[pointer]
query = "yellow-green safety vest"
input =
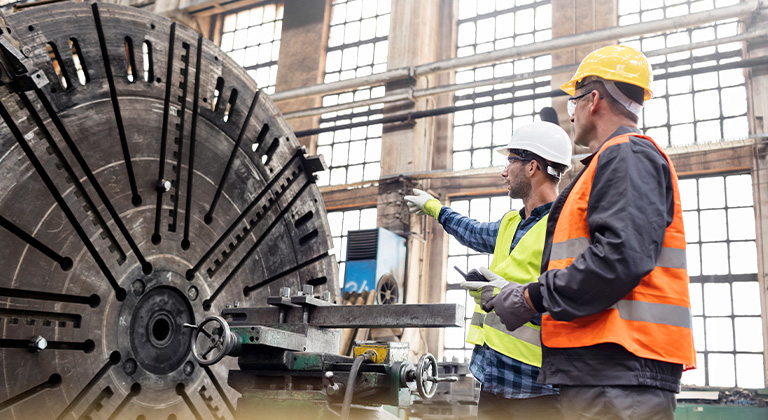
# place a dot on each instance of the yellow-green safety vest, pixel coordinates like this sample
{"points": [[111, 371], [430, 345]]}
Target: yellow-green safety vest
{"points": [[522, 265]]}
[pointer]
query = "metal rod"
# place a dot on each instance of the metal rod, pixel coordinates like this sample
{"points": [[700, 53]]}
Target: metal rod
{"points": [[414, 115], [556, 44], [587, 38], [414, 94]]}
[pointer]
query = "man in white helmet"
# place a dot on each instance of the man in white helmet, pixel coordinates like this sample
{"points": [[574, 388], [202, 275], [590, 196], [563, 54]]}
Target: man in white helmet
{"points": [[507, 362]]}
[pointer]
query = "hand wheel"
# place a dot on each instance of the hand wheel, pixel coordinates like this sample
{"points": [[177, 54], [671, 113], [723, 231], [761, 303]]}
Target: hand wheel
{"points": [[212, 340], [426, 376]]}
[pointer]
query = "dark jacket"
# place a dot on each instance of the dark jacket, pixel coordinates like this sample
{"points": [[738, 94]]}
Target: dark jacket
{"points": [[631, 204]]}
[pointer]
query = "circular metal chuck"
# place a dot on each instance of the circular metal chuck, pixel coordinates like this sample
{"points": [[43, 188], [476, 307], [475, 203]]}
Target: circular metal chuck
{"points": [[145, 183]]}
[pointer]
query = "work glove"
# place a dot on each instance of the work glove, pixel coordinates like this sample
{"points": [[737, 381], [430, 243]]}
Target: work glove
{"points": [[485, 288], [511, 307], [423, 203]]}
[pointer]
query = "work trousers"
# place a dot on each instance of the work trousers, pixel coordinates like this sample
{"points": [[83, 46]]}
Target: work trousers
{"points": [[617, 403], [494, 407]]}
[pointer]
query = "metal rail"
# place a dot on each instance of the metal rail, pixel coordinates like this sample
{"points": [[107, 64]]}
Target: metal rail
{"points": [[556, 44]]}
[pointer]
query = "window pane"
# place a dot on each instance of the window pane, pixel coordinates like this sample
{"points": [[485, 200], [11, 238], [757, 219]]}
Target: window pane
{"points": [[739, 190], [714, 258], [693, 259], [721, 370], [713, 226], [743, 257], [715, 192], [717, 299], [719, 334], [749, 371], [746, 298], [691, 226], [694, 291], [698, 334], [688, 194], [749, 334], [741, 223]]}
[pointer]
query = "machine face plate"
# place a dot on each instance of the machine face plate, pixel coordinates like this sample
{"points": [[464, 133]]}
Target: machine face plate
{"points": [[148, 184]]}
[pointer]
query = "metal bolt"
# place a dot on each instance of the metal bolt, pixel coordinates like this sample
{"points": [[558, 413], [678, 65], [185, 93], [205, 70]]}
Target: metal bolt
{"points": [[164, 185], [309, 289], [189, 367], [237, 304], [285, 292], [26, 51], [226, 306], [38, 343], [129, 367], [138, 287], [192, 293], [326, 296]]}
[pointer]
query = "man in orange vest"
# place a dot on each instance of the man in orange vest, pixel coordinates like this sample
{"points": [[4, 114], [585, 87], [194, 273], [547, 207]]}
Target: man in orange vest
{"points": [[616, 332]]}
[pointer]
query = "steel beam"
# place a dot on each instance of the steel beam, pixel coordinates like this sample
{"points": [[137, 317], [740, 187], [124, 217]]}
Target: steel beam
{"points": [[433, 315]]}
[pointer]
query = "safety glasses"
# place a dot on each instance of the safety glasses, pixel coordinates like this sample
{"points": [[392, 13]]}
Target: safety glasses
{"points": [[572, 102], [511, 159], [575, 99]]}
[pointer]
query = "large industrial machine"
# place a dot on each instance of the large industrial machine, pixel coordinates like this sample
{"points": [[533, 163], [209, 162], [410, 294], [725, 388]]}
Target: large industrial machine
{"points": [[147, 187]]}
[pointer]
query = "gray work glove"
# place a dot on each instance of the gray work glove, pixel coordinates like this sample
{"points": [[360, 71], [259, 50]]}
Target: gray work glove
{"points": [[511, 307]]}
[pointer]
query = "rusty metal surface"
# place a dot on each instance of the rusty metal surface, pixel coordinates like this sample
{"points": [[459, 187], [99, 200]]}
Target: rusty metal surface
{"points": [[142, 192]]}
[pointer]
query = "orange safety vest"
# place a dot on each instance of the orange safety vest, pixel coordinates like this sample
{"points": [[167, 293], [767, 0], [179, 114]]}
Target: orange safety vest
{"points": [[654, 320]]}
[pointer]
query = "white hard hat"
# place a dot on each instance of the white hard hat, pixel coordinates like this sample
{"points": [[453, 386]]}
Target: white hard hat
{"points": [[543, 138]]}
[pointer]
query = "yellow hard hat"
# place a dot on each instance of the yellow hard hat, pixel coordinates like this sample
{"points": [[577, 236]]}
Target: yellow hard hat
{"points": [[618, 63]]}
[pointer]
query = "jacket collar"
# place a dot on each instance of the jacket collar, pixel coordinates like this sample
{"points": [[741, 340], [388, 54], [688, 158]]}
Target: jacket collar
{"points": [[619, 131]]}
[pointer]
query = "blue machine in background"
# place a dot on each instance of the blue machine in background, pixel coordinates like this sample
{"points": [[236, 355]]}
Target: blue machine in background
{"points": [[375, 262]]}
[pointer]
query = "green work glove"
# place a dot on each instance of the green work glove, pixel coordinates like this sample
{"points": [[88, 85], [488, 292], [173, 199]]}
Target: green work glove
{"points": [[423, 203], [485, 291]]}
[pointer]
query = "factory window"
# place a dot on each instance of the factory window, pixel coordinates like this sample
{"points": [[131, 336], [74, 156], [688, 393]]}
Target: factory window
{"points": [[252, 38], [357, 47], [707, 99], [725, 294], [341, 222], [485, 26], [485, 209]]}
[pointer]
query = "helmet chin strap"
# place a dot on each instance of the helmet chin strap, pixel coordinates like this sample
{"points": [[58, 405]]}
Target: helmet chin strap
{"points": [[631, 105]]}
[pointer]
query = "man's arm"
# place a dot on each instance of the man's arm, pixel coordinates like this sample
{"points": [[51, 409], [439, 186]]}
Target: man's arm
{"points": [[630, 206], [479, 236]]}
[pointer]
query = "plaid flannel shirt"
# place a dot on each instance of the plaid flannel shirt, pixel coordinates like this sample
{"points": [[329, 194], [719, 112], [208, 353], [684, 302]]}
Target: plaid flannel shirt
{"points": [[499, 374]]}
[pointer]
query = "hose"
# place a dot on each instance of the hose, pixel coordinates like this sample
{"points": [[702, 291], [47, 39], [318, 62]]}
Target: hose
{"points": [[347, 405]]}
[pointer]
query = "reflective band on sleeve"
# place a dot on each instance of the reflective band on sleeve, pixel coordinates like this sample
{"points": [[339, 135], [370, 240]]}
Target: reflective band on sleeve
{"points": [[657, 313], [568, 249], [477, 319], [668, 257], [672, 258], [524, 333]]}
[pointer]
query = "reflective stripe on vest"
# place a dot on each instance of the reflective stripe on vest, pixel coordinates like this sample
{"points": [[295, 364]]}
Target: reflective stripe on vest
{"points": [[526, 333], [668, 257], [523, 266], [652, 321], [657, 313]]}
